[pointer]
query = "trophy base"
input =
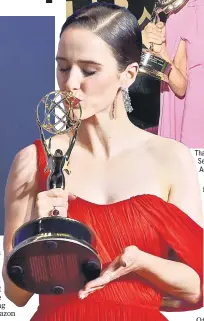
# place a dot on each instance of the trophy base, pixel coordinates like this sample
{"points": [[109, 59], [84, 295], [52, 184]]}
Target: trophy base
{"points": [[53, 265], [53, 255], [154, 66]]}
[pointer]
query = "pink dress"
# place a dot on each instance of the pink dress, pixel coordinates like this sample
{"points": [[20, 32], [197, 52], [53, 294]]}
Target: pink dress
{"points": [[183, 119]]}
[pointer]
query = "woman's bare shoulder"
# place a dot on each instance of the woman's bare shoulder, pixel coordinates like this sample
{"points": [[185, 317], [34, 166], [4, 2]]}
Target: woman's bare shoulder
{"points": [[169, 149], [24, 166], [180, 170]]}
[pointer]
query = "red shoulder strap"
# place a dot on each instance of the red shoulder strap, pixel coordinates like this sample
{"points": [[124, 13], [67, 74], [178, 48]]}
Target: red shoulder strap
{"points": [[42, 162]]}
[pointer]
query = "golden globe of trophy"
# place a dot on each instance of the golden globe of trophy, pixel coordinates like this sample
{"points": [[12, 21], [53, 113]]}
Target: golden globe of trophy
{"points": [[152, 64], [54, 255]]}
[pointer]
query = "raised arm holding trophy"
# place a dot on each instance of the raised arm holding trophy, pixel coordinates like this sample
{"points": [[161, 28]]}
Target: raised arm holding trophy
{"points": [[152, 63]]}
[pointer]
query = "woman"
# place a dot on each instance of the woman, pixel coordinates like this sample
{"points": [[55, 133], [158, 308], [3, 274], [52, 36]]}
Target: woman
{"points": [[136, 225], [182, 111]]}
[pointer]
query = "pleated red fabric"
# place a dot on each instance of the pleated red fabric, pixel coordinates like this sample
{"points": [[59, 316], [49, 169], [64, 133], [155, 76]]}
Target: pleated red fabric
{"points": [[145, 221]]}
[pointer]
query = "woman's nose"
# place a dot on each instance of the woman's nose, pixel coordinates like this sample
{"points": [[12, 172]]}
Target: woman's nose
{"points": [[73, 81]]}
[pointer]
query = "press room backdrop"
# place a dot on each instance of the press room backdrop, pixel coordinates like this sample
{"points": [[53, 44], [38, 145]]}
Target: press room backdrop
{"points": [[27, 73], [142, 8]]}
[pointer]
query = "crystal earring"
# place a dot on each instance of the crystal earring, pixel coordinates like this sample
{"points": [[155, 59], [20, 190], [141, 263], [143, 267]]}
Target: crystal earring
{"points": [[127, 101], [114, 110]]}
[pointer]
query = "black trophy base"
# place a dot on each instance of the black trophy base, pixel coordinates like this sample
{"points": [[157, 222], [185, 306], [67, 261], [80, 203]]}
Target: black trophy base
{"points": [[53, 256], [53, 266]]}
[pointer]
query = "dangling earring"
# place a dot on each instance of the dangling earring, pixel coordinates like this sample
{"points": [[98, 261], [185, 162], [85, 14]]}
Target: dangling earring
{"points": [[127, 101], [114, 110]]}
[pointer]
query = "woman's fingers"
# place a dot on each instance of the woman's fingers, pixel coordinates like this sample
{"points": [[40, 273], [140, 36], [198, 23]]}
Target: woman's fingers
{"points": [[156, 40], [151, 27], [96, 284], [84, 293], [112, 272], [53, 202], [157, 30], [123, 264], [154, 34], [160, 25]]}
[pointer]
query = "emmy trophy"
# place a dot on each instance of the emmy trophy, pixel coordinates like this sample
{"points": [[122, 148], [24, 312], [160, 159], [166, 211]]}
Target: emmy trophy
{"points": [[55, 255], [152, 64]]}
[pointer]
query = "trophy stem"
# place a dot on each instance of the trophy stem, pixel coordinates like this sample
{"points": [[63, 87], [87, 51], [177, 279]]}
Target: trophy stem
{"points": [[56, 162], [155, 17], [56, 178]]}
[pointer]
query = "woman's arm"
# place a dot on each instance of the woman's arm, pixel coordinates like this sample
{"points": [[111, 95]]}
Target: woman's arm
{"points": [[177, 75], [185, 191], [19, 204], [174, 278]]}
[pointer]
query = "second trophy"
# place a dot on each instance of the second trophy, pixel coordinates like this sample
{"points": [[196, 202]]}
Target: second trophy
{"points": [[152, 64]]}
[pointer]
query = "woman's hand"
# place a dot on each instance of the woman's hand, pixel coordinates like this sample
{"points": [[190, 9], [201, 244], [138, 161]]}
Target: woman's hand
{"points": [[53, 202], [154, 33], [128, 261]]}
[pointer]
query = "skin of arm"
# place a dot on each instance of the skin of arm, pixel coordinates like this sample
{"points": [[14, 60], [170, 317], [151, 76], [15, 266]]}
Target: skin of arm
{"points": [[174, 278], [20, 197], [177, 76]]}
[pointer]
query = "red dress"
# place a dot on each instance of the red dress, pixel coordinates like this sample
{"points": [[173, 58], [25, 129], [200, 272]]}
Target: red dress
{"points": [[145, 221]]}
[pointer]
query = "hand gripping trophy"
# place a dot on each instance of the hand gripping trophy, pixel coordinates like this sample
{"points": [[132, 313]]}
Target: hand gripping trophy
{"points": [[151, 63], [54, 255]]}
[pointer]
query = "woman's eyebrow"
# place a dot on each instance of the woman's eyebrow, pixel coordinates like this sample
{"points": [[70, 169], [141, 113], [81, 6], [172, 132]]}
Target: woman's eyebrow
{"points": [[60, 58], [80, 61], [90, 62]]}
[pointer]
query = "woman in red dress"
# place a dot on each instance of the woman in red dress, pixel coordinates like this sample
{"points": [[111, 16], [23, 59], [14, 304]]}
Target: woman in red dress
{"points": [[138, 192]]}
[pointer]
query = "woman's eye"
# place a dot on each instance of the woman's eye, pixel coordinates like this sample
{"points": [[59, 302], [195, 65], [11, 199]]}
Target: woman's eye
{"points": [[88, 72], [64, 69], [85, 72]]}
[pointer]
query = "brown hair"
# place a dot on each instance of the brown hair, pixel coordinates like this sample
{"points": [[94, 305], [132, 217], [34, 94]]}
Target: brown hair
{"points": [[116, 25]]}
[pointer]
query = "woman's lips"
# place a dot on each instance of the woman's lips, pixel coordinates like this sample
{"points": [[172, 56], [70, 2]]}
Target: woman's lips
{"points": [[73, 102]]}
